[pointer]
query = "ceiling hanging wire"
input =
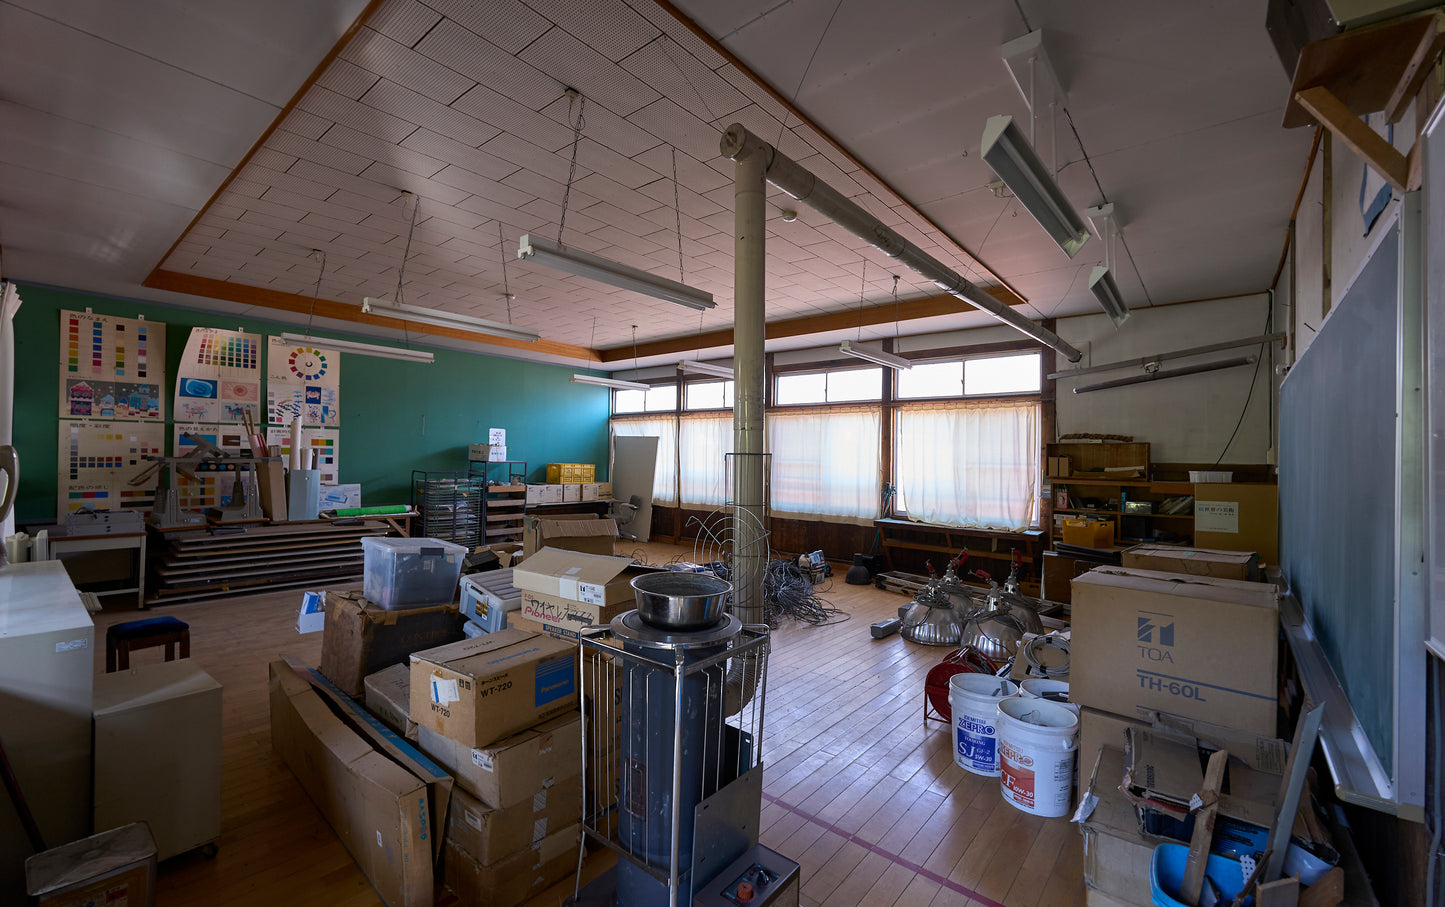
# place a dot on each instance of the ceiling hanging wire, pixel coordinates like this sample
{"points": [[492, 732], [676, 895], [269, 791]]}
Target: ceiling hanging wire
{"points": [[506, 285], [577, 126], [316, 293]]}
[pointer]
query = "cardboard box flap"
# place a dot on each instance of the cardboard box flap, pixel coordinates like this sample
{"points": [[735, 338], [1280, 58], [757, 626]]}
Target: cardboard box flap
{"points": [[1113, 814], [466, 648], [1164, 770], [592, 525], [1209, 588], [591, 578], [1193, 554]]}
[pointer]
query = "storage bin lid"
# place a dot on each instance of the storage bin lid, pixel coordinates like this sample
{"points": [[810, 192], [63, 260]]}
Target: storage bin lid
{"points": [[388, 545]]}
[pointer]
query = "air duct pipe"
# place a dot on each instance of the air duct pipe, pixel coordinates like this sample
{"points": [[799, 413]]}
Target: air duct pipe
{"points": [[738, 144]]}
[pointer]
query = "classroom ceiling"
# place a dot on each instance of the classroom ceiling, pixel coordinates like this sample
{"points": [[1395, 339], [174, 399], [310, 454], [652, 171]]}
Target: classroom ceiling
{"points": [[122, 122]]}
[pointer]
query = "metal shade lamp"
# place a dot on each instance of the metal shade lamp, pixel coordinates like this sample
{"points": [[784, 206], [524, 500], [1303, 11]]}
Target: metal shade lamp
{"points": [[1012, 157], [1101, 279]]}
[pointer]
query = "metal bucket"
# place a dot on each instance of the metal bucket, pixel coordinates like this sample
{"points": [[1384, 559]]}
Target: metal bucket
{"points": [[680, 601]]}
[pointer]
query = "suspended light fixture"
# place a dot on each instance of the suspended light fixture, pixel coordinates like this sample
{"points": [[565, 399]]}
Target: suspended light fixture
{"points": [[439, 318], [873, 354], [602, 270], [1158, 374], [1009, 154], [1101, 279], [691, 367], [617, 383], [364, 349]]}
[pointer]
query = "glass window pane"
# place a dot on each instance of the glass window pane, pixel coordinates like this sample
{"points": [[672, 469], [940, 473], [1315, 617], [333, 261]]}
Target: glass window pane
{"points": [[1001, 374], [811, 387], [931, 379], [629, 401], [662, 397], [855, 384], [708, 394]]}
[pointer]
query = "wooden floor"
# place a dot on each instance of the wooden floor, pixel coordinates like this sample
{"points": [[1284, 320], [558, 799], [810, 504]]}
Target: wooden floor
{"points": [[858, 789]]}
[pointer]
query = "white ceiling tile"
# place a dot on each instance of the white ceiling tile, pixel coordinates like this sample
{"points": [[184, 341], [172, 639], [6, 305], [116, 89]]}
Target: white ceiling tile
{"points": [[611, 27], [428, 189], [355, 115], [423, 111], [512, 220], [482, 61], [350, 183], [379, 150], [603, 126], [398, 63], [614, 166], [517, 119], [689, 202], [306, 125], [347, 79], [665, 66], [462, 155], [405, 21], [506, 23], [525, 155], [633, 201], [569, 61], [681, 128]]}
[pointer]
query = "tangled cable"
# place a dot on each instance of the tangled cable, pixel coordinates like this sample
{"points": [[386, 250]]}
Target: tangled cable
{"points": [[1051, 641], [788, 593]]}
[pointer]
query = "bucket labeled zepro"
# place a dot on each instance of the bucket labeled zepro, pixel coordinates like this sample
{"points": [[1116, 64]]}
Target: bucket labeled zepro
{"points": [[1037, 740], [974, 699]]}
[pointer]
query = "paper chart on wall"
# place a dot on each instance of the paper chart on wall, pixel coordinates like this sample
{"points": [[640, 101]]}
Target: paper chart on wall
{"points": [[219, 379], [325, 441], [302, 382], [111, 367], [215, 479], [98, 460]]}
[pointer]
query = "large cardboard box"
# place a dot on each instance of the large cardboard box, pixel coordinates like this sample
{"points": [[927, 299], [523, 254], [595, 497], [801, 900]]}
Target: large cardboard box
{"points": [[383, 798], [1240, 565], [1116, 853], [583, 532], [490, 834], [361, 638], [114, 867], [388, 697], [518, 877], [1099, 729], [1238, 516], [510, 771], [478, 691], [1199, 647], [569, 590]]}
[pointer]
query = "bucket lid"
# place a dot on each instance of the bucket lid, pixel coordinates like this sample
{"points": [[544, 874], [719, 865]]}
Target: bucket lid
{"points": [[985, 685], [1038, 712]]}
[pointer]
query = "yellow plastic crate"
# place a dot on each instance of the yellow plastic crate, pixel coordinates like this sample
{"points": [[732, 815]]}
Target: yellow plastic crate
{"points": [[571, 473]]}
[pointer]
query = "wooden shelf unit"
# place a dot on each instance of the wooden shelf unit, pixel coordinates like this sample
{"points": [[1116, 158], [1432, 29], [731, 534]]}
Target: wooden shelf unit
{"points": [[504, 504], [1087, 482]]}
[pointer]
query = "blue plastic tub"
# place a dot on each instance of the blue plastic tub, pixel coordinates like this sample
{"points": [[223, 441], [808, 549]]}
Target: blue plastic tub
{"points": [[1166, 874]]}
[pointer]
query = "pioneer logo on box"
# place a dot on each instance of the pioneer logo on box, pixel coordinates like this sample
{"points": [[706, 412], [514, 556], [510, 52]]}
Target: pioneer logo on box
{"points": [[1156, 636]]}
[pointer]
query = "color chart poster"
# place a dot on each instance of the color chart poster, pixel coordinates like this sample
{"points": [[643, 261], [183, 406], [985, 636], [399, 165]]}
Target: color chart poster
{"points": [[215, 479], [325, 441], [302, 382], [220, 377], [111, 368], [99, 459]]}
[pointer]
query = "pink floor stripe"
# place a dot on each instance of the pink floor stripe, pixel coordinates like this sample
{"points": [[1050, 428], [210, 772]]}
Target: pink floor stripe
{"points": [[887, 855]]}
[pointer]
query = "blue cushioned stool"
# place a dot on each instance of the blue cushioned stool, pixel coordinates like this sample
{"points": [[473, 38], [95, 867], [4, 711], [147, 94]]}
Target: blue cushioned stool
{"points": [[122, 639]]}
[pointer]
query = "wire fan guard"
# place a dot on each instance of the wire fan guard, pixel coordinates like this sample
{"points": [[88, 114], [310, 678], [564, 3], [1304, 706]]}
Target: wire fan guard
{"points": [[716, 541]]}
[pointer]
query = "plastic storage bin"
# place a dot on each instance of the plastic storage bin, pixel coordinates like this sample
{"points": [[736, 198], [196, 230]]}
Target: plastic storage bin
{"points": [[571, 473], [411, 573], [1089, 533]]}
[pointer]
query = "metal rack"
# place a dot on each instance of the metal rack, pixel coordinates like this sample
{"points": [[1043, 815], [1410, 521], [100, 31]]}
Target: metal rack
{"points": [[672, 751], [451, 505]]}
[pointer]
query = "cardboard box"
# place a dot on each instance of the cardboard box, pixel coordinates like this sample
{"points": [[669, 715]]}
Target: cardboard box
{"points": [[1058, 467], [271, 483], [1240, 565], [336, 497], [362, 638], [479, 453], [388, 697], [563, 617], [490, 835], [508, 772], [1238, 517], [1199, 647], [579, 576], [590, 492], [1116, 853], [535, 494], [583, 532], [1160, 764], [312, 616], [571, 494], [604, 491], [481, 690], [117, 866], [551, 494], [1099, 729], [516, 878], [384, 799], [1088, 533], [498, 454]]}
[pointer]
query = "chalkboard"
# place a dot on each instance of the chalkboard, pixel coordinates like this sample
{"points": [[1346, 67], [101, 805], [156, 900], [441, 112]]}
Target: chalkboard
{"points": [[1337, 470]]}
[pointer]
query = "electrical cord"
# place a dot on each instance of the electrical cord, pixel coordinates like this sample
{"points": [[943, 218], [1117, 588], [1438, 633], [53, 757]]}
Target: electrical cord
{"points": [[1258, 360], [1050, 641]]}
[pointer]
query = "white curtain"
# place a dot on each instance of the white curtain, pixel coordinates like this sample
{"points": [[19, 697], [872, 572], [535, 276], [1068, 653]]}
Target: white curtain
{"points": [[664, 484], [826, 464], [970, 465], [704, 441]]}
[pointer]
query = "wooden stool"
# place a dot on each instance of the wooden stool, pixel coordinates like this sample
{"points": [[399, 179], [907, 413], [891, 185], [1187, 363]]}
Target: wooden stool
{"points": [[122, 639]]}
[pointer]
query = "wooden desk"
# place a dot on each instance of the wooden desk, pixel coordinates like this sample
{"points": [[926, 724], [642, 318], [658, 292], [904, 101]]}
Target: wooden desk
{"points": [[59, 542]]}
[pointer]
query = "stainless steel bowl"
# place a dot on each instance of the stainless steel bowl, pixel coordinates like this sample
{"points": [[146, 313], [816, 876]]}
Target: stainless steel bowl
{"points": [[680, 601]]}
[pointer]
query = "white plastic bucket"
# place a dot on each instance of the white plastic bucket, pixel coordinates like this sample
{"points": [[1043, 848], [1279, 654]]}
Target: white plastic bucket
{"points": [[1055, 691], [974, 700], [1036, 744]]}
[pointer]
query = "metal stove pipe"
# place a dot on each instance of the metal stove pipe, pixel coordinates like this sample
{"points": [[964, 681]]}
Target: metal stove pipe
{"points": [[740, 145]]}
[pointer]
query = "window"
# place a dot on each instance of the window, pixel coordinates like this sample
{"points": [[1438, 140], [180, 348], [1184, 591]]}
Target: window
{"points": [[826, 463], [664, 485], [658, 399], [837, 386], [704, 441], [708, 395], [979, 376], [969, 464]]}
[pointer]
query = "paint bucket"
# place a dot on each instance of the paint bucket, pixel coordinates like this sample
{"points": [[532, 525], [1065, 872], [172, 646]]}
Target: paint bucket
{"points": [[1036, 744], [1047, 688], [974, 699]]}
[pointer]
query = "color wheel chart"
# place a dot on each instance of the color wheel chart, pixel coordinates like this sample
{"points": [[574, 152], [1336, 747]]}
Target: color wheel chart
{"points": [[111, 368], [220, 377], [302, 382], [98, 460]]}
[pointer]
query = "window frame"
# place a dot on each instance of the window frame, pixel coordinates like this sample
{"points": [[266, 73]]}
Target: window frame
{"points": [[825, 368]]}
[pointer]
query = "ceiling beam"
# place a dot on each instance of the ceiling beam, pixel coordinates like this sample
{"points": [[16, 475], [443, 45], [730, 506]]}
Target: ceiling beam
{"points": [[177, 282], [928, 307]]}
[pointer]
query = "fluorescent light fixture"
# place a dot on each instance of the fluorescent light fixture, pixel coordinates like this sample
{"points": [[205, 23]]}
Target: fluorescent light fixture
{"points": [[1009, 154], [439, 318], [873, 354], [1167, 373], [364, 349], [594, 267], [1102, 285], [617, 383], [691, 367]]}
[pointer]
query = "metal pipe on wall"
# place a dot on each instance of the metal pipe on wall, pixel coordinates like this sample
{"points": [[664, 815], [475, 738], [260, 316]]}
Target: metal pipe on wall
{"points": [[739, 145]]}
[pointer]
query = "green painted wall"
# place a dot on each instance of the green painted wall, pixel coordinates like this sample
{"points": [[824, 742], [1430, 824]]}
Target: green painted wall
{"points": [[395, 416]]}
